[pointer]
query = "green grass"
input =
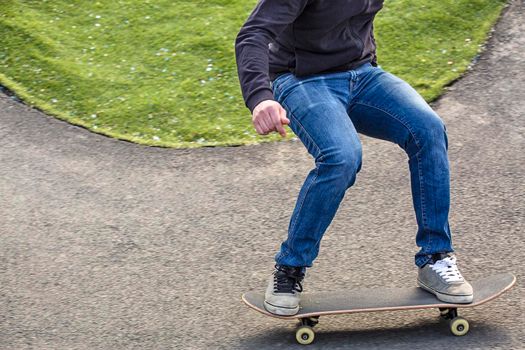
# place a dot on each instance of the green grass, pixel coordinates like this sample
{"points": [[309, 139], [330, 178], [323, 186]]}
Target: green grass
{"points": [[163, 72]]}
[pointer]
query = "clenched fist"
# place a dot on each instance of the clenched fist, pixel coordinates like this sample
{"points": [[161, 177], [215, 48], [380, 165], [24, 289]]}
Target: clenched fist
{"points": [[269, 116]]}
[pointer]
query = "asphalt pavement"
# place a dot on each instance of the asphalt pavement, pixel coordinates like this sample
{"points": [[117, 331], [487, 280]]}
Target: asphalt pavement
{"points": [[105, 244]]}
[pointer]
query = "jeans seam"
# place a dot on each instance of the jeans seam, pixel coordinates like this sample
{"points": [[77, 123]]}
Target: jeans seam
{"points": [[423, 204], [420, 173], [292, 227], [396, 117], [318, 149], [321, 156]]}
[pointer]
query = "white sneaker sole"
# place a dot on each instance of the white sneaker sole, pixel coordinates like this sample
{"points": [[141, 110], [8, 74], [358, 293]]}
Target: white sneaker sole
{"points": [[448, 298], [280, 310]]}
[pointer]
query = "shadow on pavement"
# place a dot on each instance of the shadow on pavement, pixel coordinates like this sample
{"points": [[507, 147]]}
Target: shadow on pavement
{"points": [[424, 335]]}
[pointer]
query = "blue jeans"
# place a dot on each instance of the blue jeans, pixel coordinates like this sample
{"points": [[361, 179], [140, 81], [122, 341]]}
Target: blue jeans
{"points": [[326, 112]]}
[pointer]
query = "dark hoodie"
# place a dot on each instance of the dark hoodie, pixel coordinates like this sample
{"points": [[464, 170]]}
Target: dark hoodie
{"points": [[303, 37]]}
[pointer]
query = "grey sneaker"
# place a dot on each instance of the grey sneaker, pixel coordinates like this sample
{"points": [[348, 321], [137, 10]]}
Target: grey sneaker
{"points": [[442, 278], [284, 290]]}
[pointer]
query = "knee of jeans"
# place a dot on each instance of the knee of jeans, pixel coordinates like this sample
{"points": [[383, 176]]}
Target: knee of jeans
{"points": [[432, 133], [344, 164]]}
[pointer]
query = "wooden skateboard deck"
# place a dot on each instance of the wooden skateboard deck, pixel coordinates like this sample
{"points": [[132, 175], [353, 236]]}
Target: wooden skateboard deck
{"points": [[314, 305]]}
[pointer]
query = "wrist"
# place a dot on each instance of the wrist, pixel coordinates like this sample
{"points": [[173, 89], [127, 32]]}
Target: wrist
{"points": [[260, 96]]}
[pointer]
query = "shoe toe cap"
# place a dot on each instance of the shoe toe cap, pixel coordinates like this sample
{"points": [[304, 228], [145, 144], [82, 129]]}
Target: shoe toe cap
{"points": [[287, 301], [461, 289]]}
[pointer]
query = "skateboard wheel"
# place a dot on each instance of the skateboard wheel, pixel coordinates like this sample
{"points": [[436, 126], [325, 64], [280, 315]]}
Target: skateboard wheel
{"points": [[459, 326], [305, 335]]}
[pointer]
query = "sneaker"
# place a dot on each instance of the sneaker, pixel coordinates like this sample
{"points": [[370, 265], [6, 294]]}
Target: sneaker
{"points": [[284, 290], [441, 277]]}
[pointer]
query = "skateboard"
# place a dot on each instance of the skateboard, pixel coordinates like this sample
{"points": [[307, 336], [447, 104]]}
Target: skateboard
{"points": [[314, 305]]}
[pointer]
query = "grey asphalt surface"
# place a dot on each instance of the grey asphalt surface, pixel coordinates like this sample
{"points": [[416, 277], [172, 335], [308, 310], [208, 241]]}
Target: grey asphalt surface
{"points": [[105, 244]]}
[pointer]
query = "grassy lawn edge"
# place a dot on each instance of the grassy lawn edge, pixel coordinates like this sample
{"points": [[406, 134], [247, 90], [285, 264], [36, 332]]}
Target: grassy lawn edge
{"points": [[474, 60], [21, 93]]}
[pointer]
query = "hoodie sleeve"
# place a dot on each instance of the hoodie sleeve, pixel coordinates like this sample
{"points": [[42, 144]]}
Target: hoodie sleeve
{"points": [[267, 20]]}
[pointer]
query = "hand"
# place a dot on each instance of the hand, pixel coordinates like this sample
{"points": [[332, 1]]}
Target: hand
{"points": [[269, 116]]}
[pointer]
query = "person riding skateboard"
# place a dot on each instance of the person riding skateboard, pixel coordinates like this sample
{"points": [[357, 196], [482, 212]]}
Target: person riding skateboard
{"points": [[312, 65]]}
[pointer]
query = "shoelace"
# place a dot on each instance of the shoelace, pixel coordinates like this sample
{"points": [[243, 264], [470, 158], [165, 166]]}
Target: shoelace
{"points": [[285, 282], [448, 270]]}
